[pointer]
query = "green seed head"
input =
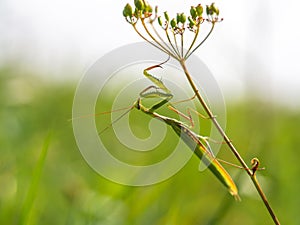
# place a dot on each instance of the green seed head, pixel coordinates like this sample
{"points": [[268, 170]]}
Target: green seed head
{"points": [[127, 11], [159, 20], [192, 22], [181, 18], [167, 16], [193, 12], [178, 18], [209, 11], [173, 23], [139, 4], [214, 9], [137, 13], [199, 10], [148, 9]]}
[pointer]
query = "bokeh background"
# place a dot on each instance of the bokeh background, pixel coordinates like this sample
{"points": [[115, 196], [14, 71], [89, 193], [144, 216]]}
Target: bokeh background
{"points": [[46, 46]]}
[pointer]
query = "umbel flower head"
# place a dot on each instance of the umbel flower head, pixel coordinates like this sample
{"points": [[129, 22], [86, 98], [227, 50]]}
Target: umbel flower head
{"points": [[172, 28], [142, 10]]}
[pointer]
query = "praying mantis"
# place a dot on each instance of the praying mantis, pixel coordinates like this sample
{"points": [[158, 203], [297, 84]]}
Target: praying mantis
{"points": [[198, 144]]}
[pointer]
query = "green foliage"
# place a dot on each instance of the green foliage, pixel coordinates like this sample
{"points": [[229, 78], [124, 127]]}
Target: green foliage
{"points": [[70, 192], [34, 185]]}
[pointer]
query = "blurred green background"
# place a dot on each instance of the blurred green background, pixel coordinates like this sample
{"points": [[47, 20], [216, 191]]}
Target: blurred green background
{"points": [[63, 189]]}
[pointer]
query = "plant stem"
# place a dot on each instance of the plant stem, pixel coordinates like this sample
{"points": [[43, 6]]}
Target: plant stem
{"points": [[152, 37], [211, 116], [174, 49], [228, 142], [264, 198], [193, 42], [209, 33], [161, 39]]}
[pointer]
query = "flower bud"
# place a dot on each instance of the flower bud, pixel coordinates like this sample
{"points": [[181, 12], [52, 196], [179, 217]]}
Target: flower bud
{"points": [[199, 10], [159, 20], [148, 9], [137, 13], [167, 16], [181, 18], [209, 11], [173, 23], [178, 18], [193, 12], [139, 4], [127, 11], [214, 9], [192, 22]]}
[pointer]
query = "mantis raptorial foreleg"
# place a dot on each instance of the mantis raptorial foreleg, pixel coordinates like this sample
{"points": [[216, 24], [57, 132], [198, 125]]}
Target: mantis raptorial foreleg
{"points": [[159, 84]]}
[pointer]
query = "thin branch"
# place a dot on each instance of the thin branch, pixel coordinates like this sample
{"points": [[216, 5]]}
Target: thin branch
{"points": [[168, 37], [251, 173], [153, 38], [176, 44], [212, 27], [181, 45], [211, 116], [264, 198], [193, 42], [143, 37], [162, 40]]}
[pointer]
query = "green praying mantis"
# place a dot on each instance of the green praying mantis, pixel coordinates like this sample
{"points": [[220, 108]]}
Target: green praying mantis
{"points": [[198, 144]]}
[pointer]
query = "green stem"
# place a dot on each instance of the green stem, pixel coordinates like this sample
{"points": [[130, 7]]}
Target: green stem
{"points": [[211, 116], [176, 44], [264, 198], [143, 37], [168, 37], [193, 42], [181, 37], [211, 29], [154, 39], [162, 40], [34, 185], [228, 142]]}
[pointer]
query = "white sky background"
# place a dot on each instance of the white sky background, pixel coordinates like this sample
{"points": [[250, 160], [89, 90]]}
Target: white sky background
{"points": [[255, 49]]}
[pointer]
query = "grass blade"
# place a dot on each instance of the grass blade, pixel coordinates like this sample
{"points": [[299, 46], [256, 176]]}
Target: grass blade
{"points": [[33, 188]]}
